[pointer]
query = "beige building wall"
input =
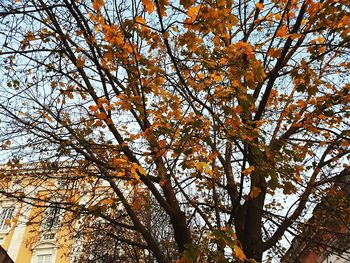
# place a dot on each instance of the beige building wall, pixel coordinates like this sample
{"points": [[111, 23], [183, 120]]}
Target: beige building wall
{"points": [[28, 243]]}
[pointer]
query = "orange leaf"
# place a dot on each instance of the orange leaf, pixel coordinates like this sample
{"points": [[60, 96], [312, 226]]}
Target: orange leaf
{"points": [[162, 182], [140, 20], [187, 3], [101, 116], [119, 162], [298, 178], [99, 123], [162, 143], [107, 202], [247, 137], [274, 52], [97, 4], [282, 31], [260, 6], [193, 12], [148, 5], [80, 62], [302, 103], [249, 77], [93, 108], [248, 171], [8, 222], [278, 16], [239, 109], [239, 253], [255, 192]]}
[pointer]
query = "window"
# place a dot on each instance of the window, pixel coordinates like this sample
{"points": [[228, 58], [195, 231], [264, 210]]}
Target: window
{"points": [[52, 219], [5, 214], [44, 258], [49, 236], [44, 252]]}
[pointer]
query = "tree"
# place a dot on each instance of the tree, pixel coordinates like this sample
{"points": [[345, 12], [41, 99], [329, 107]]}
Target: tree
{"points": [[233, 115]]}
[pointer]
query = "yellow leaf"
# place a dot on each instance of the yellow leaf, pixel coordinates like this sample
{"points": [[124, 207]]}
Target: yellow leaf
{"points": [[217, 77], [136, 169], [193, 12], [142, 171], [278, 16], [320, 39], [239, 253], [140, 20], [120, 174], [201, 165], [133, 171]]}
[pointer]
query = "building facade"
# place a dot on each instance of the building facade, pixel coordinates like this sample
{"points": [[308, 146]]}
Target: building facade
{"points": [[32, 230], [55, 216], [42, 240]]}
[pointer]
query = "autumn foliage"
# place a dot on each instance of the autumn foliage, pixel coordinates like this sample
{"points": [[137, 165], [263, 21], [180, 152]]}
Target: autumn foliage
{"points": [[233, 116]]}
